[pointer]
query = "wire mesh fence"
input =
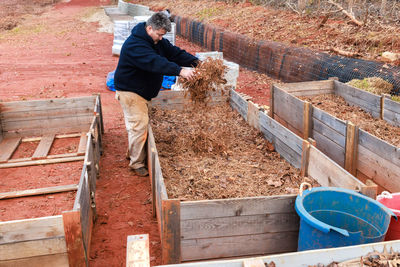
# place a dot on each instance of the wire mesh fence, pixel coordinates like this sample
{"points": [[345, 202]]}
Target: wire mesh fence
{"points": [[289, 64]]}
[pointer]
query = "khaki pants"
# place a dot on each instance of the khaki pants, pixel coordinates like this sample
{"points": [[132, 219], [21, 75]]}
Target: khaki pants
{"points": [[136, 114]]}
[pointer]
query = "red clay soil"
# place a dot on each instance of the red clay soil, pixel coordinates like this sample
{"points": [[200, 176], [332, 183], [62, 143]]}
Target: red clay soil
{"points": [[56, 55]]}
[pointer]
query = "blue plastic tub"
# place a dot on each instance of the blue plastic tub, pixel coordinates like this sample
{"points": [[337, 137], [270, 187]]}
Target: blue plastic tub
{"points": [[336, 217]]}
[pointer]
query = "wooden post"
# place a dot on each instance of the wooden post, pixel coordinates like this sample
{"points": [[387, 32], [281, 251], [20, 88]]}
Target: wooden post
{"points": [[305, 155], [350, 163], [307, 119], [152, 168], [370, 189], [382, 106], [271, 102], [74, 239], [171, 231], [138, 251]]}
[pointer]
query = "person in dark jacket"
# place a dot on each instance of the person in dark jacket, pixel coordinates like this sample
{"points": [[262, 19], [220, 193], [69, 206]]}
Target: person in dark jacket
{"points": [[144, 59]]}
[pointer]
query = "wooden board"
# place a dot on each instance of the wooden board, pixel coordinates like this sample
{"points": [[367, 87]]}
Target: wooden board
{"points": [[82, 144], [365, 100], [32, 248], [337, 124], [238, 103], [59, 260], [306, 258], [328, 132], [203, 209], [308, 88], [40, 162], [31, 229], [383, 172], [286, 143], [7, 148], [42, 150], [73, 239], [391, 112], [39, 191], [328, 173], [235, 246], [171, 231], [330, 148], [253, 115], [289, 108], [380, 147], [138, 251]]}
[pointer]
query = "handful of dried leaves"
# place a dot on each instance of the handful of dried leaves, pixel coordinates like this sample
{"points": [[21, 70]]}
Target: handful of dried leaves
{"points": [[209, 77]]}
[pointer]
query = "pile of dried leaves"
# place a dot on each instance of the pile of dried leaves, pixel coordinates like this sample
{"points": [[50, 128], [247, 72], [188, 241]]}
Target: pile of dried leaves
{"points": [[208, 78]]}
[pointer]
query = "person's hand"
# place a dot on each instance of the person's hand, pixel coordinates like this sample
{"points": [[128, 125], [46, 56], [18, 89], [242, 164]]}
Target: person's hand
{"points": [[187, 73]]}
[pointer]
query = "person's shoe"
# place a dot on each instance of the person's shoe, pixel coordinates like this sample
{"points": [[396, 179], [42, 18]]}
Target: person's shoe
{"points": [[141, 171]]}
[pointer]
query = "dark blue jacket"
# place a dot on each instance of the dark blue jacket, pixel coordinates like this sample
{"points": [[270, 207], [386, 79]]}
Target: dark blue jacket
{"points": [[142, 64]]}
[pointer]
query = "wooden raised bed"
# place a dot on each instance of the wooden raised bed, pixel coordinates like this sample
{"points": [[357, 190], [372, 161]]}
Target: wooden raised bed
{"points": [[64, 239], [362, 154], [207, 229]]}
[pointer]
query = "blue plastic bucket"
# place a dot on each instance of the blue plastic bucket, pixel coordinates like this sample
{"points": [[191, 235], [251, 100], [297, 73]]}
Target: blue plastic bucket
{"points": [[336, 217]]}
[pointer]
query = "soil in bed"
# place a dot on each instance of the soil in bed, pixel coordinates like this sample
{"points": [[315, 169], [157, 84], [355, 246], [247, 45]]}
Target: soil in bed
{"points": [[211, 153], [338, 107]]}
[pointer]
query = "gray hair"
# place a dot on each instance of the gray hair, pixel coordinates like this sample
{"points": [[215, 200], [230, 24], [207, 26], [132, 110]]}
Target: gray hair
{"points": [[159, 21]]}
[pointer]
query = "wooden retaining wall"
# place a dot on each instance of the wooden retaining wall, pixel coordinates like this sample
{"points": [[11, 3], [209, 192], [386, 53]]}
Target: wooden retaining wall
{"points": [[364, 155], [61, 240], [198, 230]]}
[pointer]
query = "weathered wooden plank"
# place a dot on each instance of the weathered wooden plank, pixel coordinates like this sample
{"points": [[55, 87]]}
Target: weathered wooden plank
{"points": [[308, 86], [48, 104], [328, 173], [238, 103], [239, 225], [392, 105], [40, 162], [208, 209], [289, 108], [380, 147], [67, 155], [39, 191], [62, 129], [307, 92], [44, 114], [391, 117], [82, 144], [307, 120], [307, 258], [333, 122], [59, 260], [73, 238], [138, 251], [328, 132], [235, 246], [305, 156], [253, 115], [58, 136], [31, 229], [7, 148], [171, 235], [329, 148], [32, 248], [42, 150], [280, 132], [50, 123], [383, 172], [351, 148], [367, 101]]}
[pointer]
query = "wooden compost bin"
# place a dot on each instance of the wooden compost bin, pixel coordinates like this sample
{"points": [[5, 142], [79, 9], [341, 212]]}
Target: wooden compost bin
{"points": [[64, 239], [138, 255], [207, 229], [362, 154]]}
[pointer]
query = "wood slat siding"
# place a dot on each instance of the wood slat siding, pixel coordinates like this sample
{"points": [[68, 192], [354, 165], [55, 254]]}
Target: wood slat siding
{"points": [[238, 103], [383, 172], [59, 260], [316, 86], [7, 148], [306, 258], [31, 229], [288, 108], [32, 248], [330, 133], [330, 148], [380, 147], [286, 143], [365, 100], [23, 116], [391, 112], [205, 209], [327, 173], [331, 121], [235, 246], [52, 104]]}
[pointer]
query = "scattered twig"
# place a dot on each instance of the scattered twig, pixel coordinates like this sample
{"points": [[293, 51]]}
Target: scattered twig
{"points": [[351, 17], [324, 20], [292, 8]]}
